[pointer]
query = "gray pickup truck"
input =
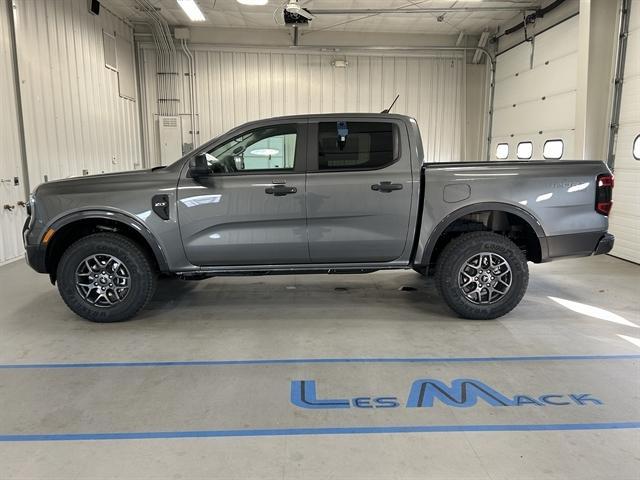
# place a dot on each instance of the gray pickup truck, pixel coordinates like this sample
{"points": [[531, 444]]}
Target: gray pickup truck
{"points": [[337, 193]]}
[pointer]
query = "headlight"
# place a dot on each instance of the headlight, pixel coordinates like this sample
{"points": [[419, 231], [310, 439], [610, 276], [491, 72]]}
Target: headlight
{"points": [[31, 204], [31, 209]]}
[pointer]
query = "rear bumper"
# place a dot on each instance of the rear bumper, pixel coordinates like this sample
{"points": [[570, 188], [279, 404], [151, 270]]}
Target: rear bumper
{"points": [[579, 245], [605, 244]]}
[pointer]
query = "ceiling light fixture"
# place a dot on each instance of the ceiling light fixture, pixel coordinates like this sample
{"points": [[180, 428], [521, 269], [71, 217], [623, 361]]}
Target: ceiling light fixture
{"points": [[192, 10], [253, 2]]}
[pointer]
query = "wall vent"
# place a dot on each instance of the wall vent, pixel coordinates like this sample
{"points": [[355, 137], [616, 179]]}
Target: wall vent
{"points": [[170, 131], [169, 122]]}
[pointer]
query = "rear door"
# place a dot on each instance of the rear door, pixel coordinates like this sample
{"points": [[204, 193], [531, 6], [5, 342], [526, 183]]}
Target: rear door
{"points": [[359, 189], [251, 210]]}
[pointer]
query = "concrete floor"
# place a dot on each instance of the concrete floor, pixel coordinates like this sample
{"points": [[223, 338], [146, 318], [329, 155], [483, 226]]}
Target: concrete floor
{"points": [[586, 308]]}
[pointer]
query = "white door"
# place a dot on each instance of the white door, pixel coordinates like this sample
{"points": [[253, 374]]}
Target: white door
{"points": [[625, 216], [12, 215], [536, 104]]}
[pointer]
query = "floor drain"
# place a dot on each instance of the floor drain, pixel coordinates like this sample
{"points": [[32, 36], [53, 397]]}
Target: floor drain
{"points": [[407, 289], [341, 289]]}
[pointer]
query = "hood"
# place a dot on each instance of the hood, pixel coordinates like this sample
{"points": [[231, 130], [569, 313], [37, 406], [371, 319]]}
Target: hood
{"points": [[107, 182]]}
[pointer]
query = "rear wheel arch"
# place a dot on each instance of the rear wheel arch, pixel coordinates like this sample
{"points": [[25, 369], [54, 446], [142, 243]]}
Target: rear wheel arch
{"points": [[509, 220], [73, 227]]}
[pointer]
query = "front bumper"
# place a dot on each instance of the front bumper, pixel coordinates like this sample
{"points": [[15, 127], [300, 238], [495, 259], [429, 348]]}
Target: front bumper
{"points": [[36, 257]]}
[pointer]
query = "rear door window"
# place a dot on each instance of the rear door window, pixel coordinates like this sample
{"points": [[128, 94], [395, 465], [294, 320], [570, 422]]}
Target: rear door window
{"points": [[352, 145]]}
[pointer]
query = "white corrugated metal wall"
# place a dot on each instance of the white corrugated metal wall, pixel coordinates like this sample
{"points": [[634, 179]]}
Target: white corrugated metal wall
{"points": [[625, 216], [10, 164], [238, 85], [75, 121], [538, 104], [74, 118]]}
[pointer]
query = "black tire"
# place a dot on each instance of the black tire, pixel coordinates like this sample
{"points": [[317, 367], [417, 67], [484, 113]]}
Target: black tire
{"points": [[139, 269], [449, 270]]}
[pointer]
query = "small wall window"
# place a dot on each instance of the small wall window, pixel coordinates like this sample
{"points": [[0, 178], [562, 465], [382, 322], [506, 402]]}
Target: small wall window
{"points": [[525, 150], [109, 48], [553, 149], [636, 148], [502, 151]]}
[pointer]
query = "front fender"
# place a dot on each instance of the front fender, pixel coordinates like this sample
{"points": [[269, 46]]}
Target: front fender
{"points": [[119, 217]]}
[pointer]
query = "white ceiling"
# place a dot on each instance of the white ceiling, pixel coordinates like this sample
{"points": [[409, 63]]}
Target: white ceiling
{"points": [[229, 13]]}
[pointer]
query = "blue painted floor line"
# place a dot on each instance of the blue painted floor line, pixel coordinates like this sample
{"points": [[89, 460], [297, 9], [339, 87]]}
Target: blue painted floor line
{"points": [[321, 360], [315, 431]]}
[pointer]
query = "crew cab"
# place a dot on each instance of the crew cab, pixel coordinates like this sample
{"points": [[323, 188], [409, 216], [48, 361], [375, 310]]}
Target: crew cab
{"points": [[330, 193]]}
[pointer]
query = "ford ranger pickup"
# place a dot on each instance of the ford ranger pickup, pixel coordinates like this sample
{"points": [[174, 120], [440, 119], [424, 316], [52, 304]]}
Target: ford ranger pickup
{"points": [[330, 193]]}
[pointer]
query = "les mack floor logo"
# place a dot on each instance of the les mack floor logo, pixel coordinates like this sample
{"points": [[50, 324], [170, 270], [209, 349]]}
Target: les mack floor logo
{"points": [[462, 393]]}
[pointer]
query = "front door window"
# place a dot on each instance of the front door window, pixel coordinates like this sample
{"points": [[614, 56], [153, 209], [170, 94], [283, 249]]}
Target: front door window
{"points": [[269, 148]]}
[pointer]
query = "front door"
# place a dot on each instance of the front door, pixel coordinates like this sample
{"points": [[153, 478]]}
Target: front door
{"points": [[359, 190], [251, 209]]}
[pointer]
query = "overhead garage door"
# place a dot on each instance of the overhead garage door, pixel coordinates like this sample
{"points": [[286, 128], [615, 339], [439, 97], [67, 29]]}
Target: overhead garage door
{"points": [[536, 106], [625, 217]]}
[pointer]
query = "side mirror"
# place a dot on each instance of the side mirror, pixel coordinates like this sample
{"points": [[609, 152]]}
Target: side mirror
{"points": [[199, 167]]}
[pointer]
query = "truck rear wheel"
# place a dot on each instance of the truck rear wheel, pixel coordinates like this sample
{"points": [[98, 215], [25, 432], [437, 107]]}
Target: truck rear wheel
{"points": [[482, 275], [106, 277]]}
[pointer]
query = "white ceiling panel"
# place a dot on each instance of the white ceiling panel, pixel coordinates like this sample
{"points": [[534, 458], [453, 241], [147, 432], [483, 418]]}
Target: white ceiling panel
{"points": [[229, 13]]}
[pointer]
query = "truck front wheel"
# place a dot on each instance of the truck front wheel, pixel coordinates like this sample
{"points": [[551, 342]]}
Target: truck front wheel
{"points": [[482, 275], [106, 277]]}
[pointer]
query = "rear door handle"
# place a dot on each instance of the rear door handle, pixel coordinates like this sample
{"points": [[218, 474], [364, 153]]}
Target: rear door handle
{"points": [[280, 190], [386, 187]]}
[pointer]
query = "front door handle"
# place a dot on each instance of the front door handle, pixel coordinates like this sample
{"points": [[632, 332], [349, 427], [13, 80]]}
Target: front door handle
{"points": [[280, 190], [386, 187]]}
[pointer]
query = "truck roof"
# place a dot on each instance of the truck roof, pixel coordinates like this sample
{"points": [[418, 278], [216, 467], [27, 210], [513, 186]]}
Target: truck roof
{"points": [[334, 115]]}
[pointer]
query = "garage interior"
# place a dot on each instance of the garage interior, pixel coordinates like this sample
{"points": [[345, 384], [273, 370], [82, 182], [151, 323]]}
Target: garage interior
{"points": [[204, 382]]}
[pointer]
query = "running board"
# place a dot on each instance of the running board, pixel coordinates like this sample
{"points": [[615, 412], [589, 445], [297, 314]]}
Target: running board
{"points": [[255, 270]]}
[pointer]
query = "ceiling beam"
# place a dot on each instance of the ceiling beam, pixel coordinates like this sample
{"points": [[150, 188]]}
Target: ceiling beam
{"points": [[378, 11]]}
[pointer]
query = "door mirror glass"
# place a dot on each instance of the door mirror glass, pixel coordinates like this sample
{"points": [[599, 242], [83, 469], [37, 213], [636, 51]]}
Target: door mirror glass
{"points": [[199, 166], [239, 161]]}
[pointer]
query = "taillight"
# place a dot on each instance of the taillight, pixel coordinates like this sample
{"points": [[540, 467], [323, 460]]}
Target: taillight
{"points": [[604, 192]]}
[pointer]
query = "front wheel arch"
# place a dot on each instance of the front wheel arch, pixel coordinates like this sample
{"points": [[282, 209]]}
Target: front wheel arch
{"points": [[71, 228]]}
